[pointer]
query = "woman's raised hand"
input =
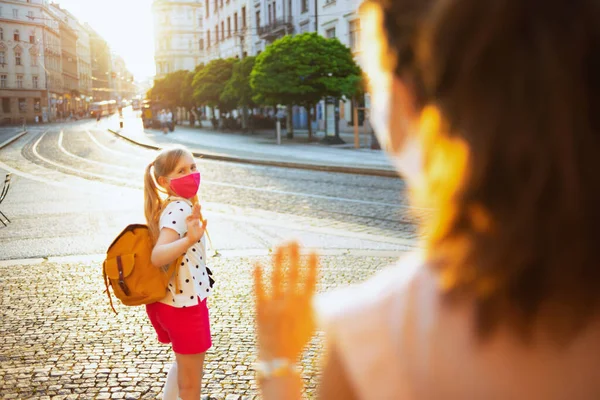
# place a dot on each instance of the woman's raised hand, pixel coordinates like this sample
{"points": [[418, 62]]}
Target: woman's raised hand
{"points": [[284, 317]]}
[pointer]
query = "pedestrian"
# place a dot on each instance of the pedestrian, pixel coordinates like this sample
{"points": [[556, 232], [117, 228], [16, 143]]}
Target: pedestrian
{"points": [[489, 111], [176, 226], [170, 124], [162, 118]]}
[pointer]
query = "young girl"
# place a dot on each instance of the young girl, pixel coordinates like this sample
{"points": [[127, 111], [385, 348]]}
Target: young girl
{"points": [[177, 227]]}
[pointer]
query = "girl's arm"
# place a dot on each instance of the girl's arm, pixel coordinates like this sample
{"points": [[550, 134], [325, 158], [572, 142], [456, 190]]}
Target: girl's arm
{"points": [[168, 247]]}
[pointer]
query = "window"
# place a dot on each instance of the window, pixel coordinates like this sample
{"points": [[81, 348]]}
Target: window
{"points": [[216, 6], [222, 30], [35, 81], [30, 14], [2, 57], [207, 6], [228, 26], [5, 104], [190, 44], [15, 13], [1, 34], [221, 3], [32, 39], [19, 81], [37, 105], [330, 33], [235, 23], [0, 11], [217, 33], [17, 36], [18, 57], [34, 60], [258, 19], [354, 28], [304, 6], [269, 18], [22, 105], [208, 39], [243, 17], [3, 81], [201, 44]]}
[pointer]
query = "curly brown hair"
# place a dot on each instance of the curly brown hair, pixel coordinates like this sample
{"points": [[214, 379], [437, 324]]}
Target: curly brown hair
{"points": [[518, 83]]}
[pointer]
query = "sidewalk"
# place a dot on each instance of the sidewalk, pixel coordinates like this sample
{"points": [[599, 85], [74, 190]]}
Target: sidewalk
{"points": [[10, 134], [260, 148]]}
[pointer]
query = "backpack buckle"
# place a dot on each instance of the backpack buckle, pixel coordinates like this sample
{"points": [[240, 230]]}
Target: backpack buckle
{"points": [[122, 284]]}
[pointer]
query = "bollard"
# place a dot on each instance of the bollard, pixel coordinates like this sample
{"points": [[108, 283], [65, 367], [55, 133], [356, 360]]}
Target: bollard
{"points": [[278, 132], [121, 124]]}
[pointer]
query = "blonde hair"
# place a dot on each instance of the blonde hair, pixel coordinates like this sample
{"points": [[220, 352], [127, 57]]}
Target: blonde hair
{"points": [[164, 164]]}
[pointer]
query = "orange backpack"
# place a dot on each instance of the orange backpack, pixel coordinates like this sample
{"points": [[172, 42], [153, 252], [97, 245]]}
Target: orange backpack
{"points": [[128, 270]]}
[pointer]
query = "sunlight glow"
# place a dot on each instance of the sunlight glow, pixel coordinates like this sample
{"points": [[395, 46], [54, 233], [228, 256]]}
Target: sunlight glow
{"points": [[127, 26]]}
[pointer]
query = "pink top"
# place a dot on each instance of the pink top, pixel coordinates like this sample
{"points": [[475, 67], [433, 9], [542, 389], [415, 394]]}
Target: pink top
{"points": [[398, 340]]}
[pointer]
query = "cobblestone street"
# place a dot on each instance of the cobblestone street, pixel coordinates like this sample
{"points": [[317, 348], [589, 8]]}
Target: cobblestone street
{"points": [[75, 187], [61, 340]]}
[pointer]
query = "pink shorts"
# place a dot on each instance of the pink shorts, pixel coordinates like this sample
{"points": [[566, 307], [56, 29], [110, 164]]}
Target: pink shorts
{"points": [[188, 328]]}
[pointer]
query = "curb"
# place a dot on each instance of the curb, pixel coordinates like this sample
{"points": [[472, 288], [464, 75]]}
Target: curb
{"points": [[270, 163], [12, 139]]}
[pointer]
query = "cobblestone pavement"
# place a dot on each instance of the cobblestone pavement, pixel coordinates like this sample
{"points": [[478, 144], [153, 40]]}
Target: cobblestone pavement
{"points": [[76, 187], [60, 340]]}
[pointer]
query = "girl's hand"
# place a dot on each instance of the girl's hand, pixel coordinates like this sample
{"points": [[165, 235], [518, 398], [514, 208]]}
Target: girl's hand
{"points": [[285, 320], [195, 225]]}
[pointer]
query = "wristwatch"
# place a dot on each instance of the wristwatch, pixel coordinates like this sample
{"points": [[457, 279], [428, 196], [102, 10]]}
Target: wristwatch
{"points": [[276, 367]]}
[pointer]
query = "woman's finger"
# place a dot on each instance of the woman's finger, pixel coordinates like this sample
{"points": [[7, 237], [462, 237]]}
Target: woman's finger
{"points": [[311, 274], [277, 274], [259, 290], [293, 269]]}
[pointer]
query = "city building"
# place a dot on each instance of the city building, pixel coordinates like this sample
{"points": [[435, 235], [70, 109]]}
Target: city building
{"points": [[26, 30], [70, 72], [122, 84], [84, 63], [227, 31], [179, 42], [340, 19], [101, 66]]}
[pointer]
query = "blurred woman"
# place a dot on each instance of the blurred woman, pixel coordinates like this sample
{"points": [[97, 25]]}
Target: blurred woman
{"points": [[490, 111]]}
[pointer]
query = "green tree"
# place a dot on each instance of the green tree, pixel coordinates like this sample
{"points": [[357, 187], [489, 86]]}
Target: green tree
{"points": [[301, 70], [187, 99], [209, 83], [168, 89], [237, 90]]}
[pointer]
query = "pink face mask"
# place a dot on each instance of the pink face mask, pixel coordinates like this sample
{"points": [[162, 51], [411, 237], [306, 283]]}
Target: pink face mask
{"points": [[186, 186]]}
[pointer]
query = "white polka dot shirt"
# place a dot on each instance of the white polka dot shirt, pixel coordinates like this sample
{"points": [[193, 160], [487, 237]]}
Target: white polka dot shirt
{"points": [[193, 275]]}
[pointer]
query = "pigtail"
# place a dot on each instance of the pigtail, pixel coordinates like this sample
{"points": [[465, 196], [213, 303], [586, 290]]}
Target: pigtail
{"points": [[152, 203]]}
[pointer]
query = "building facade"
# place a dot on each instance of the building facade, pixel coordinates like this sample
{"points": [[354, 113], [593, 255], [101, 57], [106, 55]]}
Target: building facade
{"points": [[123, 87], [67, 104], [179, 42], [84, 63], [227, 31], [23, 89], [101, 67], [340, 19]]}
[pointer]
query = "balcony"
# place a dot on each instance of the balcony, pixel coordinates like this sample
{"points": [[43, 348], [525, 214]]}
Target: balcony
{"points": [[276, 28]]}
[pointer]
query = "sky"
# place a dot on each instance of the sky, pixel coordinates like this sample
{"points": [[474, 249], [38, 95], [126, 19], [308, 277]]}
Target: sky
{"points": [[126, 25]]}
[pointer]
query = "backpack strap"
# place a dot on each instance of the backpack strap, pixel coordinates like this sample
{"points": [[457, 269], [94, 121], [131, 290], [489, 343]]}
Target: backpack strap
{"points": [[107, 289]]}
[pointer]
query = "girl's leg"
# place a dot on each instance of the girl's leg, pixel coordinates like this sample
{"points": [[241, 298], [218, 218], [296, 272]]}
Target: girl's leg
{"points": [[171, 389], [189, 375]]}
